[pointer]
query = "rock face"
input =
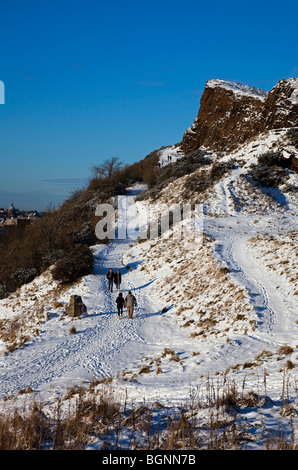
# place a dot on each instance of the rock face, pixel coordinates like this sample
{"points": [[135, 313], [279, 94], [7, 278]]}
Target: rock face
{"points": [[281, 105], [231, 113]]}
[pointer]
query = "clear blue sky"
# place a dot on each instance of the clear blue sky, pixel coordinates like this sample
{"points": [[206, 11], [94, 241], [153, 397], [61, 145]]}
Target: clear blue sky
{"points": [[88, 80]]}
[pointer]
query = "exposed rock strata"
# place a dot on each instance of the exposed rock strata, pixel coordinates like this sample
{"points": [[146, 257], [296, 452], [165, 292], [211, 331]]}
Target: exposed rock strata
{"points": [[231, 113]]}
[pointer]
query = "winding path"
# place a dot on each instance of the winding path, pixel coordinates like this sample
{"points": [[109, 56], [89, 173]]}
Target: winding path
{"points": [[56, 357], [274, 314]]}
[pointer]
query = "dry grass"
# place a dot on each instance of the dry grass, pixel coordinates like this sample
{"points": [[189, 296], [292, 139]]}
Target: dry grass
{"points": [[279, 253], [207, 300], [27, 310], [215, 418]]}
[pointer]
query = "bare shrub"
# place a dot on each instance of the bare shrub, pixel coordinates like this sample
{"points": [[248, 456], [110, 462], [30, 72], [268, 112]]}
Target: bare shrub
{"points": [[215, 418], [285, 349], [74, 264]]}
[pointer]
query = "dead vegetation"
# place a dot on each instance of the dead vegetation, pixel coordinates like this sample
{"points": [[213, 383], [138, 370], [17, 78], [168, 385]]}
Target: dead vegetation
{"points": [[216, 417], [279, 253], [207, 300], [27, 309]]}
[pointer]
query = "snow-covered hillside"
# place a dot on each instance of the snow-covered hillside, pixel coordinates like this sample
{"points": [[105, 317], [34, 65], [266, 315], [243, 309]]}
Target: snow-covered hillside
{"points": [[220, 307]]}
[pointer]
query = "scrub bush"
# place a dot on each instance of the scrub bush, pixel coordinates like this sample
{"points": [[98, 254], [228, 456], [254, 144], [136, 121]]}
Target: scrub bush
{"points": [[73, 264]]}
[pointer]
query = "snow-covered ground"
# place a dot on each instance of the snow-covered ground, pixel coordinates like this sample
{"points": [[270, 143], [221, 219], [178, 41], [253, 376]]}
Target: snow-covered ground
{"points": [[103, 346], [170, 154], [219, 307]]}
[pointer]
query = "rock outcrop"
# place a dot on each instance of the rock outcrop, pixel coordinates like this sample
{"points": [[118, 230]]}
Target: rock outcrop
{"points": [[231, 113]]}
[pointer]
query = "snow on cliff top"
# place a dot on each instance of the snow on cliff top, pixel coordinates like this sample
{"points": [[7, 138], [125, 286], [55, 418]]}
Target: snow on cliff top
{"points": [[238, 88], [294, 84]]}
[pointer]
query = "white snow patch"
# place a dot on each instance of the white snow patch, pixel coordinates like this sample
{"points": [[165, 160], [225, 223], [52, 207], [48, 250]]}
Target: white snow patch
{"points": [[238, 89]]}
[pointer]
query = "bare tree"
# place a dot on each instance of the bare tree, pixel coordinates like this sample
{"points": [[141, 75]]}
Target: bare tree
{"points": [[108, 168]]}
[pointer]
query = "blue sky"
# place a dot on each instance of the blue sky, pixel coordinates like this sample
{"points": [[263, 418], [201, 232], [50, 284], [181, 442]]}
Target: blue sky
{"points": [[89, 80]]}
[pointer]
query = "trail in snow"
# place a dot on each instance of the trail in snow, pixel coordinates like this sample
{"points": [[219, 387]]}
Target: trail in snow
{"points": [[274, 314], [57, 359], [105, 346], [83, 355], [271, 308], [57, 356]]}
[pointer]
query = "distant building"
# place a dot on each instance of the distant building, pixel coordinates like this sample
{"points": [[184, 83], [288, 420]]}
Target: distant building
{"points": [[11, 211], [13, 217]]}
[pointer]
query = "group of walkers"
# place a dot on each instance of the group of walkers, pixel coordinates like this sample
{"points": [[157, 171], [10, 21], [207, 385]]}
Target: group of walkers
{"points": [[128, 302]]}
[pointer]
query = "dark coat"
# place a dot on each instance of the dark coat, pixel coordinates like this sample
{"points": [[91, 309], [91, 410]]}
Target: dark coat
{"points": [[120, 301], [110, 275], [117, 278]]}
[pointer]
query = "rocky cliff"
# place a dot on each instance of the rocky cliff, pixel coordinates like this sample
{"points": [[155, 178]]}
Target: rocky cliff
{"points": [[231, 113]]}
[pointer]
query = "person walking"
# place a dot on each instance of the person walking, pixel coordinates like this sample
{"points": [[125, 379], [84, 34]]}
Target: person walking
{"points": [[110, 278], [117, 279], [130, 303], [120, 304]]}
